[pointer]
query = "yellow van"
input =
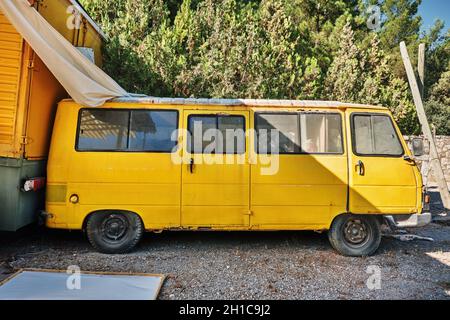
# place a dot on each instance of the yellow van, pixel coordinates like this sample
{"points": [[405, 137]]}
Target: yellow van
{"points": [[152, 164]]}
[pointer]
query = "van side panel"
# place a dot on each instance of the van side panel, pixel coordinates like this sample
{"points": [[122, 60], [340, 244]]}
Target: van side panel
{"points": [[149, 187], [308, 192], [142, 182]]}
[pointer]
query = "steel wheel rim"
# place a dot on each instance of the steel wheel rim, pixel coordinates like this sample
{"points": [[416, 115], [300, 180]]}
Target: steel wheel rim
{"points": [[356, 232], [114, 228]]}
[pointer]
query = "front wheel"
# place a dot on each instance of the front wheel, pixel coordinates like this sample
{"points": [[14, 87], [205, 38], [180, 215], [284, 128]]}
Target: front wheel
{"points": [[355, 235], [114, 232]]}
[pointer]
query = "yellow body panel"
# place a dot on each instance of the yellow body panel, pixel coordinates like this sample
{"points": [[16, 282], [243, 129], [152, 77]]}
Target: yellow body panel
{"points": [[307, 192], [44, 92], [29, 92]]}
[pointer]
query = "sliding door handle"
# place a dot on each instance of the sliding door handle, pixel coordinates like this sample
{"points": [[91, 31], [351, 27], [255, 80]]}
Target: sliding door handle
{"points": [[360, 167], [191, 165]]}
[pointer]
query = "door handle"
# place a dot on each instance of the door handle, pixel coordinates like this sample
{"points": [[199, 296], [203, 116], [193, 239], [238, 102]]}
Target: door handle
{"points": [[191, 165], [360, 166]]}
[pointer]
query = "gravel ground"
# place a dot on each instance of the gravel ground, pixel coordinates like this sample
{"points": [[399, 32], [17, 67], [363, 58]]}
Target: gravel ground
{"points": [[251, 265]]}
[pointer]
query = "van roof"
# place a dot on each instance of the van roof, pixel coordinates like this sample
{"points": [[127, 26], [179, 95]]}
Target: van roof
{"points": [[241, 102]]}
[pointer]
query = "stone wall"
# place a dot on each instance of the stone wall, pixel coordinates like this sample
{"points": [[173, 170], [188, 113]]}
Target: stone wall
{"points": [[443, 148]]}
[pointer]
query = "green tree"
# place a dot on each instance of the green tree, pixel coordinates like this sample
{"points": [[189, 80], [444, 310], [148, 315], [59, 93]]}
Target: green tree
{"points": [[438, 106], [365, 77], [293, 49], [400, 22], [343, 81], [437, 54]]}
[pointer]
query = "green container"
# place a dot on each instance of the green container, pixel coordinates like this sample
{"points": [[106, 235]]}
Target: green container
{"points": [[17, 207]]}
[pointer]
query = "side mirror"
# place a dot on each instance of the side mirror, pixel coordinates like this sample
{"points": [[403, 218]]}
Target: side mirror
{"points": [[417, 147]]}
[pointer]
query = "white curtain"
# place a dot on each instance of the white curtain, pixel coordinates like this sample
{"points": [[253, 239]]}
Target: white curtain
{"points": [[86, 83]]}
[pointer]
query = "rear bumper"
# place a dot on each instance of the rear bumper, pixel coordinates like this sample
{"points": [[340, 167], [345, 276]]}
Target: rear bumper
{"points": [[409, 220]]}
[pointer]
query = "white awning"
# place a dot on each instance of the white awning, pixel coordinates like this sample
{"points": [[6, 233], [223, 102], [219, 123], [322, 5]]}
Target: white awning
{"points": [[86, 83]]}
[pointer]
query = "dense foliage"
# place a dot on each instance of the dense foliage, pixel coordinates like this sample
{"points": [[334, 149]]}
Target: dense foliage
{"points": [[294, 49]]}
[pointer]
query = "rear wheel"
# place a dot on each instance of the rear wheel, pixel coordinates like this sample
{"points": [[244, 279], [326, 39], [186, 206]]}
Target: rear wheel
{"points": [[114, 232], [355, 235]]}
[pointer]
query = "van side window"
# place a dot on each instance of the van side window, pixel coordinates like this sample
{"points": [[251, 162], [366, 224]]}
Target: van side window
{"points": [[295, 133], [277, 133], [321, 133], [218, 134], [152, 130], [103, 130], [375, 135], [126, 130]]}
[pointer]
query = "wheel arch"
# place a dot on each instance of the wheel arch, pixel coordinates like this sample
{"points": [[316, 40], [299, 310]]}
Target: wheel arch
{"points": [[379, 217], [90, 214]]}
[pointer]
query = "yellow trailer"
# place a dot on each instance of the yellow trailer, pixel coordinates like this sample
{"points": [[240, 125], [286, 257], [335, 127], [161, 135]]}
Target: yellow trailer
{"points": [[29, 94]]}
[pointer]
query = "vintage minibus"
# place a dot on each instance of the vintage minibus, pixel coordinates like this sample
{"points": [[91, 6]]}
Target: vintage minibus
{"points": [[151, 164]]}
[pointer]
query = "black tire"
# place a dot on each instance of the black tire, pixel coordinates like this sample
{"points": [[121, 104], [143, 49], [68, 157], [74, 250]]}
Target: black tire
{"points": [[355, 235], [114, 231]]}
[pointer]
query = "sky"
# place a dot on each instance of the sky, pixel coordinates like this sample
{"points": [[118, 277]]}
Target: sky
{"points": [[430, 10]]}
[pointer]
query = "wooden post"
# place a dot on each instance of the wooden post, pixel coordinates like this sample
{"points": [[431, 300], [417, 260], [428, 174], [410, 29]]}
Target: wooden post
{"points": [[434, 157], [421, 68], [424, 169]]}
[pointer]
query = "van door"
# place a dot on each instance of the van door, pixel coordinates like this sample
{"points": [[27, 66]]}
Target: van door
{"points": [[215, 177], [299, 175], [381, 180]]}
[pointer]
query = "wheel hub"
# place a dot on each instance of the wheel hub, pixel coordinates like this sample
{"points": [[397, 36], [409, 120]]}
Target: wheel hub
{"points": [[355, 231], [114, 227]]}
